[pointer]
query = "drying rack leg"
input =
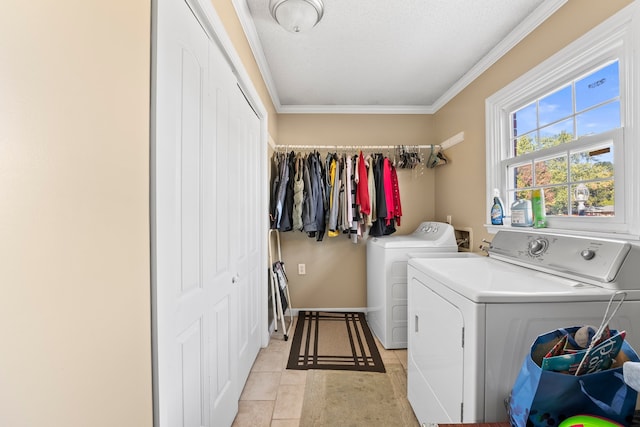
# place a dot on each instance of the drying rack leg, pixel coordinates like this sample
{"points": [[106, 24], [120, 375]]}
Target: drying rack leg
{"points": [[281, 316], [274, 287]]}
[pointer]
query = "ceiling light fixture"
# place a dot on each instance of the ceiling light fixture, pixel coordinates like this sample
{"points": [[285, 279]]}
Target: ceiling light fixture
{"points": [[297, 15]]}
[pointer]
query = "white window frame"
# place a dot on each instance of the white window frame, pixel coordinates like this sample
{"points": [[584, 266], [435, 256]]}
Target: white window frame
{"points": [[616, 38]]}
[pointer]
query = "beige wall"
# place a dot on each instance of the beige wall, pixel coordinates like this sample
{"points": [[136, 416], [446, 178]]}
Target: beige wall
{"points": [[336, 269], [460, 186], [74, 218]]}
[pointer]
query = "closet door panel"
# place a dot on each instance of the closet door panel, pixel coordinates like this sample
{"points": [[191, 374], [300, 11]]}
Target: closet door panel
{"points": [[191, 352], [238, 208], [190, 145], [181, 310], [255, 232], [222, 182], [246, 220], [225, 385], [222, 378]]}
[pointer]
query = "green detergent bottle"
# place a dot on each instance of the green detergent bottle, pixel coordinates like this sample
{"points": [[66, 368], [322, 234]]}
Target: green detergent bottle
{"points": [[539, 209]]}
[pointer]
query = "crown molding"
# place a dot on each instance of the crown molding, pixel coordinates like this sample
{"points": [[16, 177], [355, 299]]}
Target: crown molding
{"points": [[355, 109]]}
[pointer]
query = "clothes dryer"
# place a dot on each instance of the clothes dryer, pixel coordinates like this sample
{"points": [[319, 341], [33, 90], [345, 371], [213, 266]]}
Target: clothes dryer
{"points": [[387, 277]]}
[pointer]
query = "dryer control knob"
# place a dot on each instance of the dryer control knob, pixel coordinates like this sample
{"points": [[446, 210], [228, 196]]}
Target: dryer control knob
{"points": [[588, 254], [537, 246]]}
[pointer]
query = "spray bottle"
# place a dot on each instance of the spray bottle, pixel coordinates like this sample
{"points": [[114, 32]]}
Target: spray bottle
{"points": [[497, 209]]}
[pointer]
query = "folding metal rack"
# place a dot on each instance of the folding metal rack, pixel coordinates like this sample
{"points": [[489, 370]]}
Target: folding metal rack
{"points": [[279, 287]]}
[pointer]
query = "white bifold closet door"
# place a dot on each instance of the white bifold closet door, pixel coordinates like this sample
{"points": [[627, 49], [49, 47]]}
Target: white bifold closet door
{"points": [[245, 231], [205, 227]]}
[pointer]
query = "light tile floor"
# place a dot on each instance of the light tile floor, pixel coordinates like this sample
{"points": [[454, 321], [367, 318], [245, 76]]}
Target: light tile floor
{"points": [[273, 395]]}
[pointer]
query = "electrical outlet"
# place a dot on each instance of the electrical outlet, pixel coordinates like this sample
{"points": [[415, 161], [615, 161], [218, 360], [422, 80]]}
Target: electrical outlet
{"points": [[302, 269]]}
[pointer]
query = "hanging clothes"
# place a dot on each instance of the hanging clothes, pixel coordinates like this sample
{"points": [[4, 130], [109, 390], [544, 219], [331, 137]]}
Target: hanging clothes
{"points": [[348, 203], [396, 195], [334, 202], [317, 187], [371, 186], [308, 206], [298, 193], [352, 208], [388, 191], [354, 195], [362, 193], [380, 226], [343, 215], [286, 221], [275, 185], [283, 181]]}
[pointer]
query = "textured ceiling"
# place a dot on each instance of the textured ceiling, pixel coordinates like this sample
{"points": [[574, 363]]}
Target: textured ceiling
{"points": [[398, 55]]}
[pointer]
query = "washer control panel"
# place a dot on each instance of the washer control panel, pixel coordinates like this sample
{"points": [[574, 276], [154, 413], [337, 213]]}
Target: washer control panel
{"points": [[427, 227], [570, 256]]}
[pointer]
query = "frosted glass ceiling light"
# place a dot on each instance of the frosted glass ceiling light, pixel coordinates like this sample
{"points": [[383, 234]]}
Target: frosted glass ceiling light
{"points": [[297, 15]]}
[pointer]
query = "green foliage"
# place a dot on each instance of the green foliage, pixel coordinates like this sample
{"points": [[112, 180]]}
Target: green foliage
{"points": [[556, 173]]}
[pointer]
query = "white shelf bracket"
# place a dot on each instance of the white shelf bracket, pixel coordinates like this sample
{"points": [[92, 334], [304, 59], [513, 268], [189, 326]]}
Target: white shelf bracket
{"points": [[455, 139]]}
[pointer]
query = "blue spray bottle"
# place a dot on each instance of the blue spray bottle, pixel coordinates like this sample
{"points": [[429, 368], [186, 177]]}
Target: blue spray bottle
{"points": [[497, 209]]}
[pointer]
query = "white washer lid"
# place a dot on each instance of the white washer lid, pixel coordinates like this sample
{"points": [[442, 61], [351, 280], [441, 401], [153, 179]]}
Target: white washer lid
{"points": [[487, 280]]}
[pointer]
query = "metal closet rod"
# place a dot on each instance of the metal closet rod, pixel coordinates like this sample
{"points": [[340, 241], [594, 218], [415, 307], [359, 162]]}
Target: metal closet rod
{"points": [[357, 147], [450, 142]]}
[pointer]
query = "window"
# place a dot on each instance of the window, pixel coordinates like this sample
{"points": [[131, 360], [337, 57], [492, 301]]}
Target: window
{"points": [[562, 143], [565, 127]]}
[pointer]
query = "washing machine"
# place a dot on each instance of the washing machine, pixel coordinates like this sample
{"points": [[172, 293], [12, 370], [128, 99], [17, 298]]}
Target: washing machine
{"points": [[472, 320], [387, 277]]}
